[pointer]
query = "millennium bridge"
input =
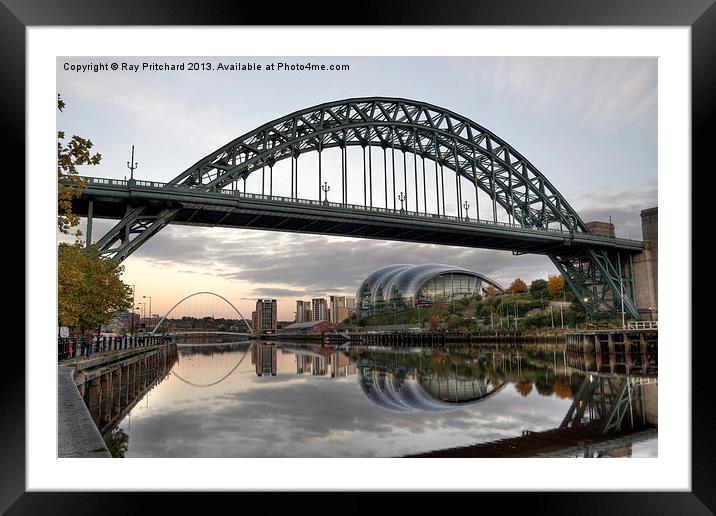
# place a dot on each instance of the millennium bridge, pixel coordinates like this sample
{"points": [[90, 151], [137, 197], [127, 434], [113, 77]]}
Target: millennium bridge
{"points": [[402, 197]]}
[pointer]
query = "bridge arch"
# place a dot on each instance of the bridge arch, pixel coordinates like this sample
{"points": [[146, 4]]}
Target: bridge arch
{"points": [[209, 293], [534, 216], [222, 378], [449, 140]]}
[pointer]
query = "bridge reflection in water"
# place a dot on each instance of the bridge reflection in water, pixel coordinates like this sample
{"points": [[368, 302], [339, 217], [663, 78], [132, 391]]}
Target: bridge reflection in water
{"points": [[604, 413], [609, 411]]}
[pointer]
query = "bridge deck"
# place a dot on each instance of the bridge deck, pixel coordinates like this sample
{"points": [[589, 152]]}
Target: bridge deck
{"points": [[226, 208], [558, 441]]}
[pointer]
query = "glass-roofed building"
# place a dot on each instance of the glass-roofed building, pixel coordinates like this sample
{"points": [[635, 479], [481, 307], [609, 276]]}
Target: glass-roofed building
{"points": [[404, 286]]}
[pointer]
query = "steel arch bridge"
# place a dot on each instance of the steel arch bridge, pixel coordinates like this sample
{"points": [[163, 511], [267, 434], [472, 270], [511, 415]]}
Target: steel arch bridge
{"points": [[528, 214], [248, 326]]}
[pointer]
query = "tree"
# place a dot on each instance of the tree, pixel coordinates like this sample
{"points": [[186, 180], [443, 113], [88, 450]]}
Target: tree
{"points": [[439, 308], [69, 185], [435, 321], [472, 310], [117, 443], [538, 289], [544, 386], [491, 291], [518, 286], [89, 288], [523, 387], [555, 286], [562, 388], [454, 322]]}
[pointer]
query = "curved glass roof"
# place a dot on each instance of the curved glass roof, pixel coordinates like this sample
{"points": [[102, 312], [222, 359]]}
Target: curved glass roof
{"points": [[403, 281], [398, 393], [367, 288]]}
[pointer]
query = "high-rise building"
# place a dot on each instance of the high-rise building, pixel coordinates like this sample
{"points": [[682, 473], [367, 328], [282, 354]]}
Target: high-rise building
{"points": [[303, 311], [319, 309], [265, 315], [264, 357], [341, 308]]}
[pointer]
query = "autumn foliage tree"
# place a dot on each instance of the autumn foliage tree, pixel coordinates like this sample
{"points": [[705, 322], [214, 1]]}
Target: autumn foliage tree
{"points": [[70, 155], [518, 286], [435, 321], [523, 387], [89, 289], [562, 388], [555, 286]]}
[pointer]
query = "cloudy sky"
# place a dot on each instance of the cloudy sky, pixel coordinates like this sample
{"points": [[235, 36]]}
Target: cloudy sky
{"points": [[589, 124]]}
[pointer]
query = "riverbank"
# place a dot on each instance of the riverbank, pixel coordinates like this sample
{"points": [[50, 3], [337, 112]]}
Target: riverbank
{"points": [[77, 434], [96, 392]]}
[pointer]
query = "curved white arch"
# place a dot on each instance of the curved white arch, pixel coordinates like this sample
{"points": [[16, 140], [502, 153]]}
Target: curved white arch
{"points": [[196, 294], [220, 379]]}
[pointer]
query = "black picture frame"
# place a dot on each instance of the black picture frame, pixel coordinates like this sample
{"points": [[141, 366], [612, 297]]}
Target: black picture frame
{"points": [[700, 15]]}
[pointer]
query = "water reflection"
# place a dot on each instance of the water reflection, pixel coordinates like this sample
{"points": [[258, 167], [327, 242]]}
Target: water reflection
{"points": [[268, 399], [396, 387]]}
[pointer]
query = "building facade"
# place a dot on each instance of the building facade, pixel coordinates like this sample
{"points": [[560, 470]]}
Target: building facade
{"points": [[264, 358], [309, 327], [341, 307], [319, 309], [266, 315], [303, 311], [405, 286]]}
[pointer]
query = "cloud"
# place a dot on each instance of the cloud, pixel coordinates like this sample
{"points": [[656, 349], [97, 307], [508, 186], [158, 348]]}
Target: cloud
{"points": [[292, 264], [624, 206], [602, 92]]}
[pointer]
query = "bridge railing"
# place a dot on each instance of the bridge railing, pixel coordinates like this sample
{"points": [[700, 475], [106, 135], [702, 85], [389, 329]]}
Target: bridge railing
{"points": [[74, 347], [354, 207]]}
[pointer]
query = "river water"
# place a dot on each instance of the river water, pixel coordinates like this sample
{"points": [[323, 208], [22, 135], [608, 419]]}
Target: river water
{"points": [[293, 400]]}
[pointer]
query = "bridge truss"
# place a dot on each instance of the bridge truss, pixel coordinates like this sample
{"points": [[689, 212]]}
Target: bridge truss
{"points": [[527, 213]]}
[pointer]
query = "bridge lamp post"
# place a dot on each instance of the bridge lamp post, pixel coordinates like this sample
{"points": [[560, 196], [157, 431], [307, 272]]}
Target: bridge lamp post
{"points": [[131, 165], [586, 300], [326, 188], [402, 198], [466, 205]]}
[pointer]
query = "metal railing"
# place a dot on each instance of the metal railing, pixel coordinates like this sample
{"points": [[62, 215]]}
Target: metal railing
{"points": [[643, 325], [354, 207], [74, 347]]}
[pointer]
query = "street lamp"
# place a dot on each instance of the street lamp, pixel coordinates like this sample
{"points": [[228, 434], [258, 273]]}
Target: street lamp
{"points": [[133, 310], [326, 188], [466, 205], [144, 310], [150, 308]]}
